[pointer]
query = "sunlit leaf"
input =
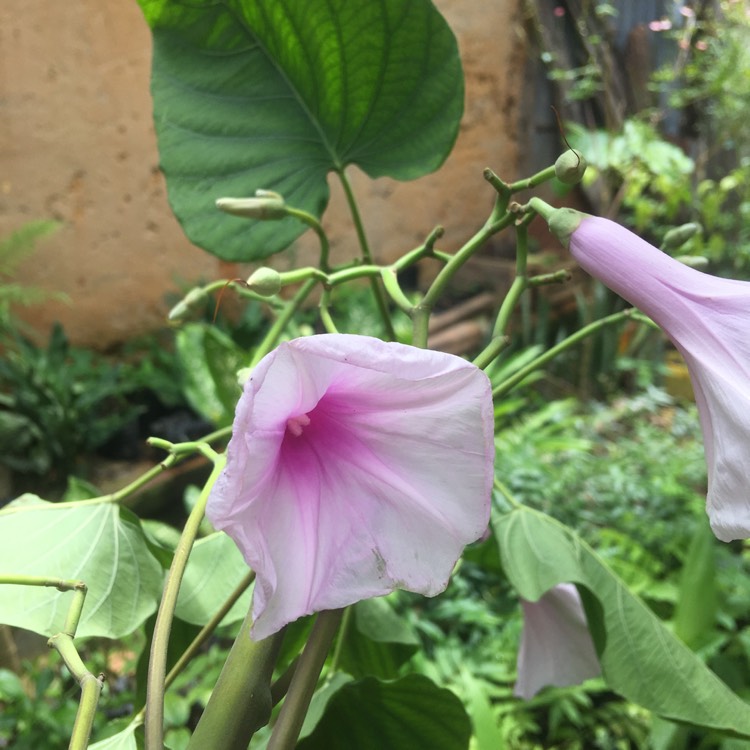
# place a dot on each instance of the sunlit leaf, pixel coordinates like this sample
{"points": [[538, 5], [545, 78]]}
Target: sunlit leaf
{"points": [[101, 544], [213, 572]]}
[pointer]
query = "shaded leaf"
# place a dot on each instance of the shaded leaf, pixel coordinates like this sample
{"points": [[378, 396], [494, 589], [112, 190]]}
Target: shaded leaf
{"points": [[378, 642], [399, 715], [320, 701], [641, 659]]}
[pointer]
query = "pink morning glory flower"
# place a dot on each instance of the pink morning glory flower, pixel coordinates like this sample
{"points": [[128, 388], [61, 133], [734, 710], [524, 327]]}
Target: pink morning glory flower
{"points": [[355, 467], [556, 646], [708, 320]]}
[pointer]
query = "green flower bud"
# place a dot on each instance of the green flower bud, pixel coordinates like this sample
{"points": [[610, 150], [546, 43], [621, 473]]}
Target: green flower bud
{"points": [[264, 281], [570, 167], [678, 236], [265, 205]]}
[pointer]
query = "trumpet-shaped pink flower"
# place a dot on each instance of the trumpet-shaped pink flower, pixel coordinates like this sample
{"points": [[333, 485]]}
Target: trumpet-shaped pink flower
{"points": [[708, 320], [556, 646], [355, 467]]}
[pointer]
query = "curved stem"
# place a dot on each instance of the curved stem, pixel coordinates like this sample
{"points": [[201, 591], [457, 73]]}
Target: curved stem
{"points": [[315, 225], [325, 312], [550, 354], [488, 354], [154, 721], [119, 495], [277, 329], [520, 282], [302, 687], [537, 179], [493, 226], [377, 289]]}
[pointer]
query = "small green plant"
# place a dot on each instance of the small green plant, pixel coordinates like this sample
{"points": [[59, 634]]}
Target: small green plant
{"points": [[56, 403]]}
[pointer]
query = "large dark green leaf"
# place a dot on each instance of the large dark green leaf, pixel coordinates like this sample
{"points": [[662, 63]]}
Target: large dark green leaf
{"points": [[403, 714], [274, 94], [377, 642], [641, 659], [101, 544]]}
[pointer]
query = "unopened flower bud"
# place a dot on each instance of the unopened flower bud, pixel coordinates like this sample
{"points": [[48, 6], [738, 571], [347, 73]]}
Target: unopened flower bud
{"points": [[184, 305], [570, 167], [678, 236], [265, 205], [264, 281]]}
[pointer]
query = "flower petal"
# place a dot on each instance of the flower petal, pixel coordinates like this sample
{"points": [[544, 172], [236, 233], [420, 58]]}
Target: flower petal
{"points": [[556, 646], [355, 467], [708, 320]]}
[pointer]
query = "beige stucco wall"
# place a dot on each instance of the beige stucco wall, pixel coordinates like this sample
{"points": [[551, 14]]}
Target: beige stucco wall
{"points": [[77, 145]]}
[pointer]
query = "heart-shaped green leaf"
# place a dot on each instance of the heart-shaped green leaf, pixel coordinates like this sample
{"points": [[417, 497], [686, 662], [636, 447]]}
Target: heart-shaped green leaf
{"points": [[263, 94], [213, 572], [402, 714], [378, 642], [640, 658], [101, 544]]}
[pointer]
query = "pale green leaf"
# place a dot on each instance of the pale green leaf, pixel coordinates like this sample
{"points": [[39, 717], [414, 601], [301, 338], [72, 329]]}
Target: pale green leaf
{"points": [[101, 544], [213, 572]]}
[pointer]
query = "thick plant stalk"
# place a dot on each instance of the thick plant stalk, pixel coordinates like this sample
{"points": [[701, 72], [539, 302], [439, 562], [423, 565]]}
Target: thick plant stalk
{"points": [[241, 703]]}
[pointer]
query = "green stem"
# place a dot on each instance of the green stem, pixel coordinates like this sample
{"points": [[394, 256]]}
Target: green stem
{"points": [[91, 688], [506, 493], [556, 277], [541, 207], [550, 354], [280, 686], [207, 630], [390, 282], [200, 639], [305, 679], [277, 329], [377, 289], [325, 312], [240, 703], [420, 320], [315, 225], [488, 354], [520, 282], [346, 622], [154, 723], [121, 494], [493, 226], [546, 174]]}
